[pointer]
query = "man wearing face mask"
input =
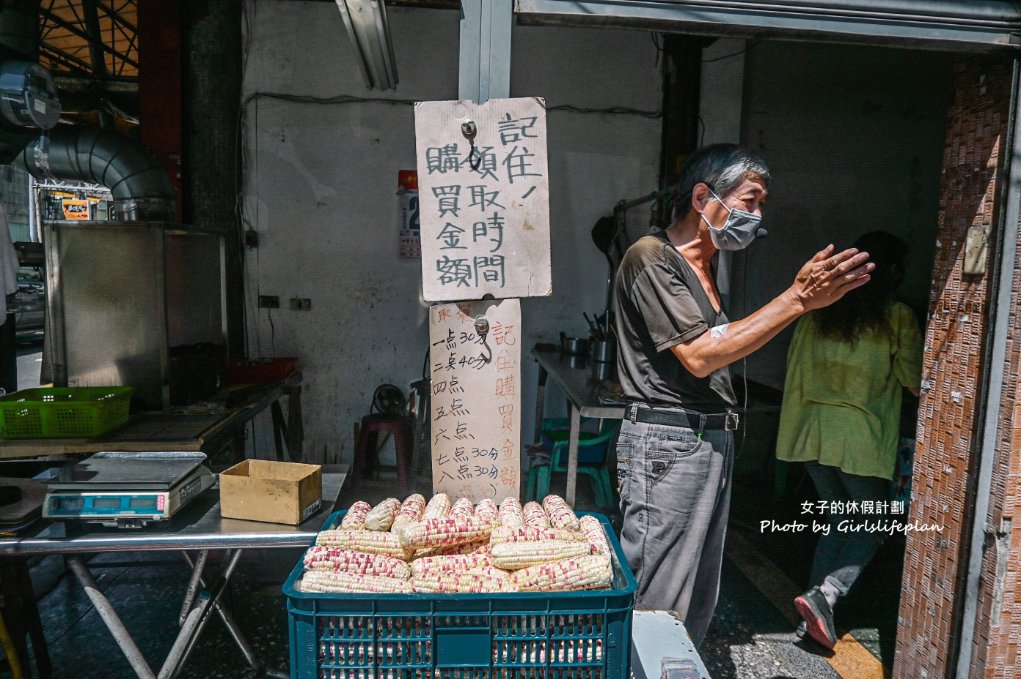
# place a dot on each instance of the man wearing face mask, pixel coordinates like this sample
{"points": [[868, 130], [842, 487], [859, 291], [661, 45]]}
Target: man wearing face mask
{"points": [[675, 451]]}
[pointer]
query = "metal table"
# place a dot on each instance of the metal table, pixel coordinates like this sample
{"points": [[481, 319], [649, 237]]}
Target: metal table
{"points": [[198, 527], [583, 381]]}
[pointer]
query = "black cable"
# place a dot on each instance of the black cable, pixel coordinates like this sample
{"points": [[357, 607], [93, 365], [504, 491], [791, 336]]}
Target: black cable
{"points": [[751, 44]]}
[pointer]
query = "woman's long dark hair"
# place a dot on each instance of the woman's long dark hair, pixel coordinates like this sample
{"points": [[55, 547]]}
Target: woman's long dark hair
{"points": [[864, 308]]}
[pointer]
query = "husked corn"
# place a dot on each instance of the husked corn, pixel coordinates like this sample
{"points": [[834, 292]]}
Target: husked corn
{"points": [[382, 516], [560, 513], [334, 581], [535, 515], [451, 563], [368, 541], [490, 571], [595, 535], [481, 547], [453, 530], [355, 516], [487, 509], [438, 507], [516, 555], [463, 583], [585, 572], [411, 511], [503, 534], [350, 561], [510, 513], [463, 507]]}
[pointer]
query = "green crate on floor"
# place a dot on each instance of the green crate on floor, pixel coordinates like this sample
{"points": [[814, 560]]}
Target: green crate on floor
{"points": [[520, 635], [63, 412]]}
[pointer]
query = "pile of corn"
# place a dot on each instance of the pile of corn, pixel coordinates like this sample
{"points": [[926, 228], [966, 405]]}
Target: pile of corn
{"points": [[445, 547]]}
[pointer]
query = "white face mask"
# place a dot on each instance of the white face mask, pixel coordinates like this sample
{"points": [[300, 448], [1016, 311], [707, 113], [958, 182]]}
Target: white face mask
{"points": [[738, 232]]}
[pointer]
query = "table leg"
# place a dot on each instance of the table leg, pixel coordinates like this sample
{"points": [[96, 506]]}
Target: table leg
{"points": [[295, 424], [228, 620], [572, 455], [206, 603], [540, 403], [279, 429], [110, 618], [193, 584]]}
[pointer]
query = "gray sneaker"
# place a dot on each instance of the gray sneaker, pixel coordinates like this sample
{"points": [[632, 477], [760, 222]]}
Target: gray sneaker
{"points": [[818, 616]]}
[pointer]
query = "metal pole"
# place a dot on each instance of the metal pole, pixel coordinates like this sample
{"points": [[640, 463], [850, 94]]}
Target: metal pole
{"points": [[204, 607], [484, 60], [997, 391], [231, 625], [109, 616], [193, 583], [572, 455]]}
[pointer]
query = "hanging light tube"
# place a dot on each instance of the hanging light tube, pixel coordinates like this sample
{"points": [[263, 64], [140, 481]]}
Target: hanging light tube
{"points": [[366, 24]]}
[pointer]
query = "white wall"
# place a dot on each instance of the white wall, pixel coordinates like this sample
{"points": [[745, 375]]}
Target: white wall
{"points": [[321, 178]]}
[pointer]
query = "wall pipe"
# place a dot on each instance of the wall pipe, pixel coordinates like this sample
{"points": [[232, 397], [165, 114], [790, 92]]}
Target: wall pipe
{"points": [[140, 186]]}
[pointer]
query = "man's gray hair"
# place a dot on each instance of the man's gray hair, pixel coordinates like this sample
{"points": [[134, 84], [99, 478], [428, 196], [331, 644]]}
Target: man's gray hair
{"points": [[723, 167]]}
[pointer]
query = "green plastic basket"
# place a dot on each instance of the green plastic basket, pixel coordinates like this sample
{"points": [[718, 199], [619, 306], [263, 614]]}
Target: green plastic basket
{"points": [[63, 412]]}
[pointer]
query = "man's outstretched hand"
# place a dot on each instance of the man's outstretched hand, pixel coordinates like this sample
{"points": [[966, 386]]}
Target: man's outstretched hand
{"points": [[827, 277]]}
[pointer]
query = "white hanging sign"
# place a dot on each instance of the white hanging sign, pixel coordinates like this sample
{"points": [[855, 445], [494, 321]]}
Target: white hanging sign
{"points": [[484, 198], [476, 384]]}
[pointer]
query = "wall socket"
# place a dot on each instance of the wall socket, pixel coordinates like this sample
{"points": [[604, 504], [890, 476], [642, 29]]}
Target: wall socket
{"points": [[301, 304], [269, 302]]}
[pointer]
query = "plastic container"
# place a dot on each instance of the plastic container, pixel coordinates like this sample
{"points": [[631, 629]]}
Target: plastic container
{"points": [[261, 370], [522, 635], [63, 412]]}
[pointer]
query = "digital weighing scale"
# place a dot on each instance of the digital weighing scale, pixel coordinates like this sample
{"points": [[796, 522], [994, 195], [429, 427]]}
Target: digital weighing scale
{"points": [[127, 490]]}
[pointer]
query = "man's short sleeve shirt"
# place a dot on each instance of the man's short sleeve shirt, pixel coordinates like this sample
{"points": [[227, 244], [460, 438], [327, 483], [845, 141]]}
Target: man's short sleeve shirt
{"points": [[661, 303]]}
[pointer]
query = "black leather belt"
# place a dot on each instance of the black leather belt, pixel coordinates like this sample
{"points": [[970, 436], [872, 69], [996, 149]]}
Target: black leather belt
{"points": [[728, 421]]}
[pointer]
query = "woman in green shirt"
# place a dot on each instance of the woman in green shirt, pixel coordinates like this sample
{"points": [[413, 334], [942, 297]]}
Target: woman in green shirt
{"points": [[846, 368]]}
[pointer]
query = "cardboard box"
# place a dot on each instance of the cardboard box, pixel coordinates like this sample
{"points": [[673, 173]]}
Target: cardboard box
{"points": [[277, 492]]}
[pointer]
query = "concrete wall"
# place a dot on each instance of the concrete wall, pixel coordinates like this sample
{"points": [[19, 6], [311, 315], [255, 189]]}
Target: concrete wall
{"points": [[321, 179], [854, 138]]}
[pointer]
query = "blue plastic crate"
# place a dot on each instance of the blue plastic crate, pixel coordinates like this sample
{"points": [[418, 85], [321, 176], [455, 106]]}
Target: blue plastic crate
{"points": [[524, 635]]}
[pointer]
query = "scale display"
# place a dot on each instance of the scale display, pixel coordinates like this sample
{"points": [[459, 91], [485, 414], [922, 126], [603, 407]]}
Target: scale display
{"points": [[127, 490]]}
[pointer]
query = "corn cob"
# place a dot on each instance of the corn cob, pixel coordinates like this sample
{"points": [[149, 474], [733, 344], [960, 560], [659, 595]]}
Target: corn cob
{"points": [[487, 509], [410, 512], [503, 534], [332, 581], [368, 541], [585, 572], [489, 571], [349, 561], [438, 507], [463, 507], [560, 513], [535, 515], [453, 530], [453, 563], [595, 535], [467, 548], [382, 516], [517, 555], [462, 582], [510, 513], [355, 516]]}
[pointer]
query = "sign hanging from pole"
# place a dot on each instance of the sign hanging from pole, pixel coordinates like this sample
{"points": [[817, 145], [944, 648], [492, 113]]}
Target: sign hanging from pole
{"points": [[484, 198], [475, 358]]}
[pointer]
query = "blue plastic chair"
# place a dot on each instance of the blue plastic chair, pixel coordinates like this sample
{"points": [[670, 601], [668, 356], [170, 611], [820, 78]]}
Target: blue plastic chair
{"points": [[593, 448]]}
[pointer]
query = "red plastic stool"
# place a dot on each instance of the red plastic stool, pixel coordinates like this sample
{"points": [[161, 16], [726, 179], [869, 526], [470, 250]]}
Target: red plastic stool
{"points": [[399, 427]]}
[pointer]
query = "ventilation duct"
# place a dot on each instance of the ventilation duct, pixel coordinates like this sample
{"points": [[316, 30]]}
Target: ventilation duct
{"points": [[140, 187]]}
